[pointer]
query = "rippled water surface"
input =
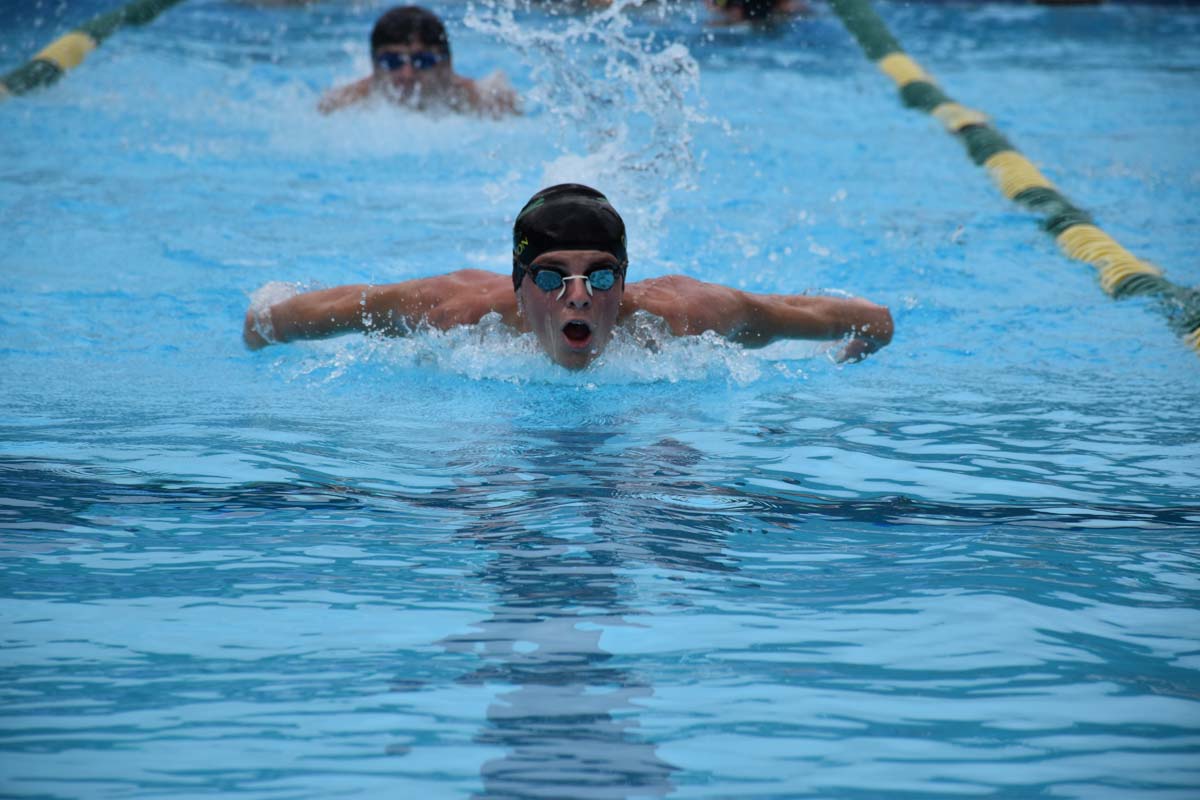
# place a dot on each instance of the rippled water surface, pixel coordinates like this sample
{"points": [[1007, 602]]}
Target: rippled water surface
{"points": [[442, 567]]}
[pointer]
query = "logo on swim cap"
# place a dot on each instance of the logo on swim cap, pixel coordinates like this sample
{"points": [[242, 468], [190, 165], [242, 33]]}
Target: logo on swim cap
{"points": [[531, 205]]}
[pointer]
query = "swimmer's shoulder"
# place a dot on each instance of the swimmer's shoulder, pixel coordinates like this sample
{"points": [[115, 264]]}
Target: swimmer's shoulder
{"points": [[465, 296], [689, 306], [663, 297], [491, 96], [462, 297], [660, 295], [477, 277]]}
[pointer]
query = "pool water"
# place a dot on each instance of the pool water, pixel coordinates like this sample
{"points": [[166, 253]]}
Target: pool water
{"points": [[443, 567]]}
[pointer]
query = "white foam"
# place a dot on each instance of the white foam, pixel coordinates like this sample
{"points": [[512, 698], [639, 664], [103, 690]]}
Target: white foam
{"points": [[641, 352]]}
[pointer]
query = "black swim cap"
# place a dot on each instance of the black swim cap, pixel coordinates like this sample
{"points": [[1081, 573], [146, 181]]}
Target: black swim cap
{"points": [[409, 25], [569, 216]]}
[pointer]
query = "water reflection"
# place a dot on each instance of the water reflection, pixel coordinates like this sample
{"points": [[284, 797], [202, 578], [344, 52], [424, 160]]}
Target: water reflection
{"points": [[568, 724], [559, 566]]}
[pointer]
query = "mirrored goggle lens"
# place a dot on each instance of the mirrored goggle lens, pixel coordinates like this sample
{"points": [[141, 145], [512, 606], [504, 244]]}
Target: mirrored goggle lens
{"points": [[425, 60], [547, 280], [420, 61], [602, 279]]}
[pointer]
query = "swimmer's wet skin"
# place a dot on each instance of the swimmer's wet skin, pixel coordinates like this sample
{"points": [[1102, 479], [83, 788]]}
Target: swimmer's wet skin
{"points": [[568, 288]]}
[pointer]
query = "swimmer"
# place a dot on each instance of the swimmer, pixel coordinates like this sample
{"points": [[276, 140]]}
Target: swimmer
{"points": [[411, 66], [568, 288], [735, 12]]}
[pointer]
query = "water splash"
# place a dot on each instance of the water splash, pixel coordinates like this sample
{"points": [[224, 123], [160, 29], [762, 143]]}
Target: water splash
{"points": [[643, 351], [274, 292], [624, 104]]}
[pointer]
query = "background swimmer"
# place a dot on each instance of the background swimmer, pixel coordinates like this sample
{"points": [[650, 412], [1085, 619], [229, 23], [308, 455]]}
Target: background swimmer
{"points": [[733, 12], [568, 288], [412, 66]]}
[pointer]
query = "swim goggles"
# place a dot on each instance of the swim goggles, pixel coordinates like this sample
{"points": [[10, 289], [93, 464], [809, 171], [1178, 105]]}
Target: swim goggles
{"points": [[548, 279], [420, 61]]}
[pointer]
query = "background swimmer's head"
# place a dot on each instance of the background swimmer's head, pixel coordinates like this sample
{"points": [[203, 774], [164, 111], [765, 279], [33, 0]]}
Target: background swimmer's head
{"points": [[410, 54], [569, 216], [409, 26], [747, 10]]}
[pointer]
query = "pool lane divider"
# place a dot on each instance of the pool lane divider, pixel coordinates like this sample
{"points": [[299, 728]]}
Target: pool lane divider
{"points": [[68, 51], [1121, 273]]}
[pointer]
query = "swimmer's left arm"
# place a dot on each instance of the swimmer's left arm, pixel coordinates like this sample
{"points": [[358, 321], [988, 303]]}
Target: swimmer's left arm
{"points": [[754, 320], [866, 326]]}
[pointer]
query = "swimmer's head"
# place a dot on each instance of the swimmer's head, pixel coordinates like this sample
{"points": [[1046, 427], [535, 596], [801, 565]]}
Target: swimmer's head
{"points": [[410, 54], [410, 26], [569, 216], [571, 242]]}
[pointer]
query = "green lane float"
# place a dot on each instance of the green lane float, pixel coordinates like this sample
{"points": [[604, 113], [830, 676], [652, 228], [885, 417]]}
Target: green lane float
{"points": [[1121, 273], [68, 52]]}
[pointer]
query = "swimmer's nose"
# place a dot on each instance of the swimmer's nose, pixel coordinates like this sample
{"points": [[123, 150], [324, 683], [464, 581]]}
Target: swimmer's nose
{"points": [[577, 294], [404, 76]]}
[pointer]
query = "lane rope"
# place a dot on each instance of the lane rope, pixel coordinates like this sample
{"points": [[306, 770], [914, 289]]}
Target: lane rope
{"points": [[1121, 274], [68, 51]]}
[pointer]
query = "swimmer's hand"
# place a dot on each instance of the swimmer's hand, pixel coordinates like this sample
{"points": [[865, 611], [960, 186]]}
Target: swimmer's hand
{"points": [[250, 335], [258, 329], [856, 349], [870, 331]]}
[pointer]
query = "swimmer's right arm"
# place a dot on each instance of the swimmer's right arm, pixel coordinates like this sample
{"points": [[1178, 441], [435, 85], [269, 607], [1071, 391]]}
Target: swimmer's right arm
{"points": [[343, 96], [393, 309], [312, 315], [330, 312]]}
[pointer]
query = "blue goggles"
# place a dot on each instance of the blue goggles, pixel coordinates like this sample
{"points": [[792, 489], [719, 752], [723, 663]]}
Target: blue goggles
{"points": [[421, 61], [548, 279]]}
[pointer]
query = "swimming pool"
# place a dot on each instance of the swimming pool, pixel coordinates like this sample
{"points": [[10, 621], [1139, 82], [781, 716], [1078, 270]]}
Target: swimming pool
{"points": [[441, 567]]}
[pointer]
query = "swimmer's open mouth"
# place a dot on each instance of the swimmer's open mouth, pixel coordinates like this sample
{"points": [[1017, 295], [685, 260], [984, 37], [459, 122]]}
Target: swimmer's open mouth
{"points": [[578, 333]]}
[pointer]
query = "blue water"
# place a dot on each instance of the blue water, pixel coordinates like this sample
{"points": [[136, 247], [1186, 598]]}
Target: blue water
{"points": [[443, 567]]}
